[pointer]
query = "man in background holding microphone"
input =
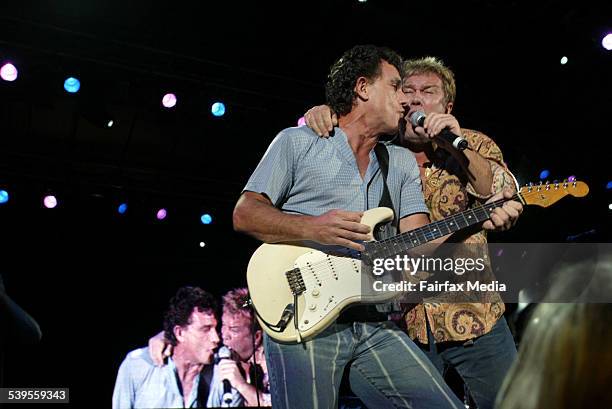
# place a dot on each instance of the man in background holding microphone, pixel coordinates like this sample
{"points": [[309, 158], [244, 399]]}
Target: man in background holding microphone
{"points": [[241, 376], [460, 169]]}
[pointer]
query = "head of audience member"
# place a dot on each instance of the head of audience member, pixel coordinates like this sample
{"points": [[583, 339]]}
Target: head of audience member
{"points": [[430, 87], [239, 329], [190, 325], [366, 83], [563, 359]]}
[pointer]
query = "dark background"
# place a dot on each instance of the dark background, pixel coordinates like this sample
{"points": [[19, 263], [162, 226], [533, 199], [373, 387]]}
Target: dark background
{"points": [[98, 282]]}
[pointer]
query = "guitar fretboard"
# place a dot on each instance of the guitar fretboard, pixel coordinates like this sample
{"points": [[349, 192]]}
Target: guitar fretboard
{"points": [[405, 241]]}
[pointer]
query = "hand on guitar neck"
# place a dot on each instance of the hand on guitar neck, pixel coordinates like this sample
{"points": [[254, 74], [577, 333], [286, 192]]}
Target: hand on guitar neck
{"points": [[505, 216]]}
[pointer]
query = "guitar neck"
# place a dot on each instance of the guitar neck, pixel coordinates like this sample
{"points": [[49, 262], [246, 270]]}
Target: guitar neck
{"points": [[405, 241]]}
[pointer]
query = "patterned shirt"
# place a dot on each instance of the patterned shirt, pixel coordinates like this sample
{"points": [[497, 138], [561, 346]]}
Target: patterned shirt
{"points": [[447, 191]]}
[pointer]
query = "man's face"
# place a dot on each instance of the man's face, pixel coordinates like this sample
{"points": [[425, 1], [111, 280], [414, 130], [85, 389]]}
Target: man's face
{"points": [[199, 338], [387, 101], [424, 93], [236, 334]]}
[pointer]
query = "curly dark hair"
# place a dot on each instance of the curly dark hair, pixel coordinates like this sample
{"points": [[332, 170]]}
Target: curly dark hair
{"points": [[182, 305], [359, 61]]}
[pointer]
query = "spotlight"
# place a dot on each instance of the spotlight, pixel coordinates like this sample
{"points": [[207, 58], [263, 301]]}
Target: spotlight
{"points": [[544, 174], [206, 219], [202, 244], [161, 214], [218, 109], [571, 179], [122, 208], [606, 42], [4, 196], [609, 185], [50, 201], [301, 121], [72, 85], [8, 72], [169, 100], [563, 60]]}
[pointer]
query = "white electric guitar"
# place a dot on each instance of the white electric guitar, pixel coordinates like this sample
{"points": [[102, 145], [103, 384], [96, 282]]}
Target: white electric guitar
{"points": [[298, 291]]}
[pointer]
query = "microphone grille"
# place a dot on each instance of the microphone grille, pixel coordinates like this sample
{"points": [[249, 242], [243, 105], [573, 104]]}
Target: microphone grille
{"points": [[417, 118], [224, 353]]}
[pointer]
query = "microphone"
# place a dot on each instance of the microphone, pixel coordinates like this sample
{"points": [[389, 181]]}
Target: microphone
{"points": [[225, 353], [417, 118]]}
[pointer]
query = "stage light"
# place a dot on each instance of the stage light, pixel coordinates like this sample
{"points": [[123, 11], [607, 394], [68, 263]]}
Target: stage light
{"points": [[169, 100], [206, 219], [122, 208], [544, 174], [606, 42], [50, 201], [218, 109], [8, 72], [4, 196], [161, 214], [72, 85], [110, 123], [563, 60], [609, 185], [301, 121], [571, 179], [202, 244], [610, 206]]}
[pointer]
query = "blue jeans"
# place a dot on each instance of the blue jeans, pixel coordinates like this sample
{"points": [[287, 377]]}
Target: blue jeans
{"points": [[482, 362], [387, 370]]}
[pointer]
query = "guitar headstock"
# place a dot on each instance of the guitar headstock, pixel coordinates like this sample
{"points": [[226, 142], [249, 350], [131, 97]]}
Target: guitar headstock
{"points": [[549, 193]]}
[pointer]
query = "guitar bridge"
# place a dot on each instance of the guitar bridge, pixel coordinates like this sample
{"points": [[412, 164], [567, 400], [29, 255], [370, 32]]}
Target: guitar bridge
{"points": [[296, 282]]}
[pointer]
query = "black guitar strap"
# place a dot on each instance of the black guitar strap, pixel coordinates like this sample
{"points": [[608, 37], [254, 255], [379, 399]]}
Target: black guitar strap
{"points": [[382, 154]]}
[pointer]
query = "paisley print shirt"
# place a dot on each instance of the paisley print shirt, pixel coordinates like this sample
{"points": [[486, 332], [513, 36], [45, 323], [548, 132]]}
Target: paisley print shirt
{"points": [[447, 191]]}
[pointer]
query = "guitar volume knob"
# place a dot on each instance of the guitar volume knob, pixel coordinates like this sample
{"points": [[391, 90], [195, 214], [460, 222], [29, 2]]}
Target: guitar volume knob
{"points": [[316, 293], [312, 307]]}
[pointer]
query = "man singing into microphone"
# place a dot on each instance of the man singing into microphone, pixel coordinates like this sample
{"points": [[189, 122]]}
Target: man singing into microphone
{"points": [[246, 371], [190, 325], [240, 374], [471, 337]]}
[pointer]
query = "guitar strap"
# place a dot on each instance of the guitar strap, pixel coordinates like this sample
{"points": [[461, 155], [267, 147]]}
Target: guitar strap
{"points": [[382, 154], [375, 313]]}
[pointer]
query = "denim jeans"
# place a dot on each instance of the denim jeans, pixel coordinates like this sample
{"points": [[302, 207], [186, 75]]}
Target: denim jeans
{"points": [[387, 370], [482, 362]]}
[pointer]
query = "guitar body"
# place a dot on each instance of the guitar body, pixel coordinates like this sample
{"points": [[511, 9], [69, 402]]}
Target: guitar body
{"points": [[331, 282]]}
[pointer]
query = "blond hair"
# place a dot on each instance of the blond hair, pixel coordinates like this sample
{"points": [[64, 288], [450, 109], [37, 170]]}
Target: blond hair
{"points": [[433, 65]]}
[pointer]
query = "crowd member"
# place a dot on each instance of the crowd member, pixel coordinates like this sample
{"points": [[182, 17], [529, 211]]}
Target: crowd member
{"points": [[558, 366]]}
